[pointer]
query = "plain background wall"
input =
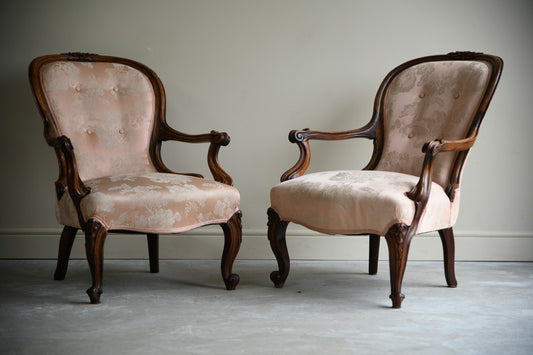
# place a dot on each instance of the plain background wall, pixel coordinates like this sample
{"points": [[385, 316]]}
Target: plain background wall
{"points": [[257, 69]]}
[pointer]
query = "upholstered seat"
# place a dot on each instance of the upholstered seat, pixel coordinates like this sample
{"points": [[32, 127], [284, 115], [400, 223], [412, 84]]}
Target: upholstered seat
{"points": [[153, 203], [426, 117], [105, 118], [359, 201]]}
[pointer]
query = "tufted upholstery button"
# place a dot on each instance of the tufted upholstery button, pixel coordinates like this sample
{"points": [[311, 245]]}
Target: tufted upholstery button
{"points": [[410, 135], [77, 88], [88, 131], [456, 95], [114, 88], [121, 131], [421, 95]]}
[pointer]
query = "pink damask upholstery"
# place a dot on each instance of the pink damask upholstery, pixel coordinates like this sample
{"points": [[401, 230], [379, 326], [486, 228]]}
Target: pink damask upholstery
{"points": [[360, 201], [105, 118], [153, 203], [428, 101], [106, 110], [426, 117], [424, 102]]}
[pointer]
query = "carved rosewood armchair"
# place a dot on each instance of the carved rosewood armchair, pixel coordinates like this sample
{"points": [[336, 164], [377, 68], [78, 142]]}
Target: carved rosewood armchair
{"points": [[426, 117], [105, 118]]}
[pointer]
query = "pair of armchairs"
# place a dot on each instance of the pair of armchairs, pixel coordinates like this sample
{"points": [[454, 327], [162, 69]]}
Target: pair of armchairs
{"points": [[105, 118]]}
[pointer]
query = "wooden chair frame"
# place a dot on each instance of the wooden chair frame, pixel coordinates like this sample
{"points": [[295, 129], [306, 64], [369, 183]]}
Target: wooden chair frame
{"points": [[69, 179], [399, 235]]}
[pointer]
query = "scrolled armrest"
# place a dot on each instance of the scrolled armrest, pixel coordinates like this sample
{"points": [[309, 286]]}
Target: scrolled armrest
{"points": [[167, 133], [439, 145], [420, 193], [216, 140], [68, 174], [306, 134], [75, 185], [302, 137]]}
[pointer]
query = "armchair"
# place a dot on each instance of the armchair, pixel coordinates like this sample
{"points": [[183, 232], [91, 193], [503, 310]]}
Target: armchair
{"points": [[426, 117], [105, 118]]}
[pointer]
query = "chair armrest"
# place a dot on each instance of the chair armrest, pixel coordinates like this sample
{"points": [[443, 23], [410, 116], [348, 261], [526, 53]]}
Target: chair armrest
{"points": [[420, 193], [216, 140], [302, 137], [68, 174]]}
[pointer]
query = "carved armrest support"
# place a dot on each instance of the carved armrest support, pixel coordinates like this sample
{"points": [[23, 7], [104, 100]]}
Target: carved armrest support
{"points": [[420, 193], [302, 137], [68, 175], [216, 140]]}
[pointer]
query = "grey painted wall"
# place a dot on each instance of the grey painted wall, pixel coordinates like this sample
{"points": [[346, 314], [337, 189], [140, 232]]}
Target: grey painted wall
{"points": [[257, 69]]}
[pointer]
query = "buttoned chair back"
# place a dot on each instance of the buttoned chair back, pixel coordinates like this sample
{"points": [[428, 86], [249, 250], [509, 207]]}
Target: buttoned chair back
{"points": [[426, 100], [108, 111]]}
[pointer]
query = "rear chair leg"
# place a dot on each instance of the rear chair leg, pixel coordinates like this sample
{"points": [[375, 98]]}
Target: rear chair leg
{"points": [[65, 246], [448, 246], [373, 254], [153, 251]]}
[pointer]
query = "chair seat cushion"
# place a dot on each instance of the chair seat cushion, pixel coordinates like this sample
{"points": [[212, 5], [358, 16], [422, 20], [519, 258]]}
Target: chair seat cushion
{"points": [[153, 203], [359, 202]]}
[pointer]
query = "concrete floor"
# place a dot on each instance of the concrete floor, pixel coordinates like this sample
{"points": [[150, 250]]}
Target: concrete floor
{"points": [[326, 307]]}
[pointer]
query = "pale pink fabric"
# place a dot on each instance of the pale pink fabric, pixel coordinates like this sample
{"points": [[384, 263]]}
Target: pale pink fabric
{"points": [[153, 202], [353, 202], [432, 100], [425, 102], [107, 111]]}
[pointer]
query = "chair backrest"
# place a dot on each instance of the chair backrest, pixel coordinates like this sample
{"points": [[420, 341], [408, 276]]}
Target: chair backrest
{"points": [[106, 106], [437, 97]]}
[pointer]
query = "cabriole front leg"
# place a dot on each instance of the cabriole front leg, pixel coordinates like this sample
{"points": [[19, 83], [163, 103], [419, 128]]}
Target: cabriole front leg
{"points": [[398, 243], [95, 235], [232, 243], [276, 236]]}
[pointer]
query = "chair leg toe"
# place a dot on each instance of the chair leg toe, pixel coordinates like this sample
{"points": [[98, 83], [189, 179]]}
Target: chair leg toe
{"points": [[397, 298], [278, 279], [232, 281], [94, 294]]}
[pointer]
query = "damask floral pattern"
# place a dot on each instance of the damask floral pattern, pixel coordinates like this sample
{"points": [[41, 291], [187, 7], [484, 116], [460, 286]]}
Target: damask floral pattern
{"points": [[153, 202], [352, 202], [107, 111], [434, 100]]}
